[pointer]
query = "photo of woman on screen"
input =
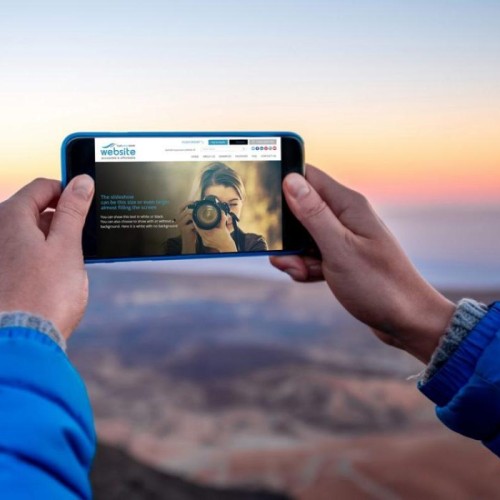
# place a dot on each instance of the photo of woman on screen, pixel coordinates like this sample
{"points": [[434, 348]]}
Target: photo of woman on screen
{"points": [[211, 224]]}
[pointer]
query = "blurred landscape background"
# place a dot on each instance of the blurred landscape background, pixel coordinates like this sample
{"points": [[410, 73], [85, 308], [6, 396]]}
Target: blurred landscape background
{"points": [[228, 374], [221, 379]]}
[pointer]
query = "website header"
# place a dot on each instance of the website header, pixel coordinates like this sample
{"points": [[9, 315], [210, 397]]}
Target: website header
{"points": [[152, 149]]}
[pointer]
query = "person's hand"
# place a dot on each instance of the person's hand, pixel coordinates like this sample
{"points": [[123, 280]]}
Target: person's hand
{"points": [[187, 229], [41, 261], [219, 238], [364, 265]]}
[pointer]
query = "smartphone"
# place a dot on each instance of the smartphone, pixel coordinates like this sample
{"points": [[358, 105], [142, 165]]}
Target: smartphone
{"points": [[165, 195]]}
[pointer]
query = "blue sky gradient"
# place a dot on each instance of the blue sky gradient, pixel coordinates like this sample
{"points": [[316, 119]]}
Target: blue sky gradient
{"points": [[383, 92]]}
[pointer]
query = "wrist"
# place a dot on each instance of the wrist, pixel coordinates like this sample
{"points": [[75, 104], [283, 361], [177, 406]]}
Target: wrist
{"points": [[467, 315], [425, 325], [188, 247], [34, 322]]}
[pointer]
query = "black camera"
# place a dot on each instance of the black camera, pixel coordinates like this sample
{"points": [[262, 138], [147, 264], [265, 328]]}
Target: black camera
{"points": [[207, 213]]}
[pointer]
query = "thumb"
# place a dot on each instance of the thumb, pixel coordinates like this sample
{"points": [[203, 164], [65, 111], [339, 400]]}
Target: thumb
{"points": [[71, 210], [314, 214]]}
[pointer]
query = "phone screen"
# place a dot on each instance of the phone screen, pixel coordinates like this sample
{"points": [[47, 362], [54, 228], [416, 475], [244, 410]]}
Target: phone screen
{"points": [[185, 196]]}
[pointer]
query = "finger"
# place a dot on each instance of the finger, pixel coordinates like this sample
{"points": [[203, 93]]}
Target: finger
{"points": [[312, 211], [185, 219], [184, 206], [350, 207], [71, 211], [45, 222], [38, 195], [185, 210], [223, 221], [338, 196], [204, 233], [299, 268]]}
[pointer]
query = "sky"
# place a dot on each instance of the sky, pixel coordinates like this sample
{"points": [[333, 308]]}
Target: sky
{"points": [[399, 100]]}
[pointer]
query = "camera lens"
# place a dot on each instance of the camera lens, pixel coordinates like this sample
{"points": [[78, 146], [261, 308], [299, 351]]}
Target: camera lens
{"points": [[208, 216], [207, 212]]}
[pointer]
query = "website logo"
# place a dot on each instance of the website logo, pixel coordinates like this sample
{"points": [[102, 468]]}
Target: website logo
{"points": [[118, 151]]}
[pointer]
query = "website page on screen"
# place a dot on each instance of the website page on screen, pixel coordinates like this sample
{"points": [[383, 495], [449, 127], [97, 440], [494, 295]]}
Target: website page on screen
{"points": [[165, 196]]}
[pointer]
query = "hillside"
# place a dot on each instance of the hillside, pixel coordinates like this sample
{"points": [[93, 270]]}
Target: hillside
{"points": [[263, 384]]}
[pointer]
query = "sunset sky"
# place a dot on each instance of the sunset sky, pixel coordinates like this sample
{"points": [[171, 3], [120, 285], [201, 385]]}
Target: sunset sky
{"points": [[398, 99]]}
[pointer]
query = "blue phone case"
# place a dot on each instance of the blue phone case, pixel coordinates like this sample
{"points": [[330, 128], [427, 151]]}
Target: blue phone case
{"points": [[91, 135]]}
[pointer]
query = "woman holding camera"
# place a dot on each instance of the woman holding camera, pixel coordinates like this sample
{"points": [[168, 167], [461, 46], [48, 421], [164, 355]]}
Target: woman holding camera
{"points": [[221, 193]]}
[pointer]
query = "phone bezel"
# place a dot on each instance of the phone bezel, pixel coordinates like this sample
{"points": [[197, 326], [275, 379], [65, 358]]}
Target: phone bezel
{"points": [[78, 157]]}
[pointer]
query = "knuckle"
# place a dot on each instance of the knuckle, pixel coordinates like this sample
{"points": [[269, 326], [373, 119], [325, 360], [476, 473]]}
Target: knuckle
{"points": [[360, 199], [39, 180]]}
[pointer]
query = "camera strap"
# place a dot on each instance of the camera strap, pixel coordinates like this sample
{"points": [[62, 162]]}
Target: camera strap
{"points": [[237, 232]]}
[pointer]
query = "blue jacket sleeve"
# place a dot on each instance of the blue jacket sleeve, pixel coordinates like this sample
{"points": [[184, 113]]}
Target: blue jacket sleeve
{"points": [[466, 389], [47, 437]]}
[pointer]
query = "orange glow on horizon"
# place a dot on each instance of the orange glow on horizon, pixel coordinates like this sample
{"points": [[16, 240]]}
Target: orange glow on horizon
{"points": [[392, 155]]}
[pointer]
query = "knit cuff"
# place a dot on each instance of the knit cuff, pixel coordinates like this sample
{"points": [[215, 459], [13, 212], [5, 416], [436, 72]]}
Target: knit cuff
{"points": [[28, 320], [467, 315]]}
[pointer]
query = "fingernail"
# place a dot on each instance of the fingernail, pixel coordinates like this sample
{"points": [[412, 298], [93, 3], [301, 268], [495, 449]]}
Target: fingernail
{"points": [[83, 186], [314, 268], [297, 185]]}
